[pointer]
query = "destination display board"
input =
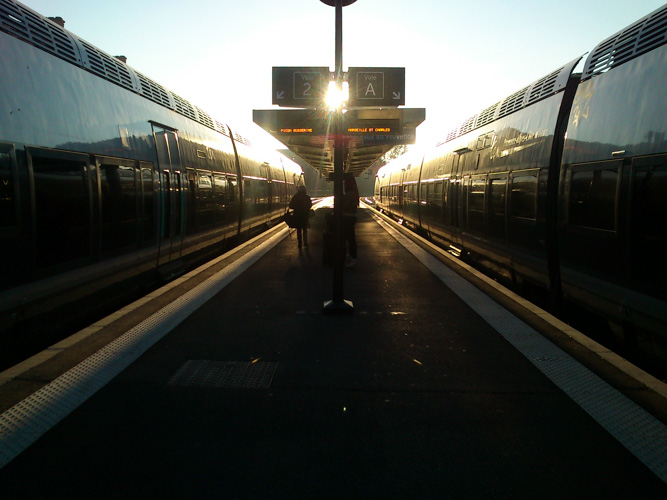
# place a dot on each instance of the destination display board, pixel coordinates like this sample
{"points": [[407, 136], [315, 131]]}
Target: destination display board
{"points": [[308, 122], [376, 87], [299, 87], [358, 127]]}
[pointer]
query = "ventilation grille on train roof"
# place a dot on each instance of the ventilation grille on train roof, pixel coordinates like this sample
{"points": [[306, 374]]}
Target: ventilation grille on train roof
{"points": [[153, 91], [29, 26], [204, 118], [184, 107], [488, 115], [643, 36], [513, 103], [106, 66], [467, 125], [545, 87]]}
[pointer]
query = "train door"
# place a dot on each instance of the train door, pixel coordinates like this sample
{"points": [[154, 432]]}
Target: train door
{"points": [[401, 194], [172, 196], [456, 197]]}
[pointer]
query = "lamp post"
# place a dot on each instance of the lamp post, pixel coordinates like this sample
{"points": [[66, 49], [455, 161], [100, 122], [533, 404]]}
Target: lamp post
{"points": [[338, 305]]}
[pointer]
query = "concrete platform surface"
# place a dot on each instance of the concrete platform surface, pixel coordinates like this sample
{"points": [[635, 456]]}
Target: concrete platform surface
{"points": [[257, 394]]}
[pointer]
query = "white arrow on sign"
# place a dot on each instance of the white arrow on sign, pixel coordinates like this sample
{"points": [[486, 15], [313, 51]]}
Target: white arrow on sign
{"points": [[397, 95], [280, 94]]}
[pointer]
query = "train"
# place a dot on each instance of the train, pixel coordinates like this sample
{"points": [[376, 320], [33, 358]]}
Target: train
{"points": [[109, 181], [560, 189]]}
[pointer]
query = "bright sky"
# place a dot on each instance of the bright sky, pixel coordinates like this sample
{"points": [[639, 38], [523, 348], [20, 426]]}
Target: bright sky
{"points": [[459, 56]]}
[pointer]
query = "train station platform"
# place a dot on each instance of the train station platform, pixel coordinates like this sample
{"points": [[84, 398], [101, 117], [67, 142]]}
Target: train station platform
{"points": [[231, 383]]}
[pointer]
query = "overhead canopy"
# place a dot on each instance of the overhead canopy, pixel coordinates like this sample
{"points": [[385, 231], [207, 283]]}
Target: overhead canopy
{"points": [[368, 134]]}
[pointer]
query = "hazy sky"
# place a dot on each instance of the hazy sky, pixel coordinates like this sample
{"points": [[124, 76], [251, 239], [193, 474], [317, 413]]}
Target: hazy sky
{"points": [[459, 56]]}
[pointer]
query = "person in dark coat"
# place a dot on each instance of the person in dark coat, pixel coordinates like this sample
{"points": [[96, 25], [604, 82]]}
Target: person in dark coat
{"points": [[301, 204]]}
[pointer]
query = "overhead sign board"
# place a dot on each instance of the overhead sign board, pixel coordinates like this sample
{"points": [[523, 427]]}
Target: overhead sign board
{"points": [[291, 121], [357, 127], [376, 87], [286, 123], [300, 87]]}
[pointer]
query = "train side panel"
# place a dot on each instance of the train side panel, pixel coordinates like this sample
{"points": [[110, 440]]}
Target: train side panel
{"points": [[612, 199], [101, 187], [485, 192], [503, 192]]}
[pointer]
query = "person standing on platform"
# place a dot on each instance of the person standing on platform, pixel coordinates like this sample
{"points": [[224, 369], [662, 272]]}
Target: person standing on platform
{"points": [[350, 204], [301, 204]]}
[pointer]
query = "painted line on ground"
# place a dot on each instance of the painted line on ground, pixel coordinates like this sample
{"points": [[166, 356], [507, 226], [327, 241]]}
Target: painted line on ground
{"points": [[638, 431]]}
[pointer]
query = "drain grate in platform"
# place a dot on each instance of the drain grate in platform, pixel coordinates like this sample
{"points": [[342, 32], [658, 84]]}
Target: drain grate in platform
{"points": [[224, 374]]}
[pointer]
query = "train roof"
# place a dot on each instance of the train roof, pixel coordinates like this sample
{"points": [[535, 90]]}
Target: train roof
{"points": [[540, 89], [640, 37], [25, 24]]}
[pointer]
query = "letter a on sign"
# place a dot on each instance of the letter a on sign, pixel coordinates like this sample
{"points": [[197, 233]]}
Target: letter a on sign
{"points": [[376, 86]]}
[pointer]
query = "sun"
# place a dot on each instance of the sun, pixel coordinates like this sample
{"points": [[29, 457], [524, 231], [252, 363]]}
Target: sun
{"points": [[335, 98]]}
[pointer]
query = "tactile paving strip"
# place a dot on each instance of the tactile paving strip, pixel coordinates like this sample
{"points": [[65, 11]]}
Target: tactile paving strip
{"points": [[641, 433], [224, 374], [24, 423]]}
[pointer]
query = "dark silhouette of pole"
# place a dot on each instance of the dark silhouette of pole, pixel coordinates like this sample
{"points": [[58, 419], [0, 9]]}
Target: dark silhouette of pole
{"points": [[338, 305]]}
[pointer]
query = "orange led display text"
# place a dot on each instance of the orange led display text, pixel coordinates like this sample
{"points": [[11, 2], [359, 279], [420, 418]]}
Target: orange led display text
{"points": [[296, 130]]}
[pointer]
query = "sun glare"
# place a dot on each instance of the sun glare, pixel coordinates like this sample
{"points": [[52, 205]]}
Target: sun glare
{"points": [[336, 98]]}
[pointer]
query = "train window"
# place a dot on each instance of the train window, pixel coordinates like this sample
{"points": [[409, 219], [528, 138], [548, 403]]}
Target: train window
{"points": [[263, 189], [497, 191], [249, 195], [476, 203], [485, 141], [648, 233], [205, 199], [191, 200], [172, 143], [118, 194], [448, 194], [178, 203], [435, 195], [205, 184], [8, 216], [523, 200], [411, 193], [592, 198], [62, 207], [220, 188], [148, 205], [220, 195], [232, 189]]}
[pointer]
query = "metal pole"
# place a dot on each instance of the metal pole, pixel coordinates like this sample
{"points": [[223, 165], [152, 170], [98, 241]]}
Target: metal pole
{"points": [[338, 304]]}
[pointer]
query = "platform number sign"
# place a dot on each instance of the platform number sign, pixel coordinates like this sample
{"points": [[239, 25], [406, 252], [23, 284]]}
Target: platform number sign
{"points": [[300, 86], [370, 85], [376, 86], [306, 85]]}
